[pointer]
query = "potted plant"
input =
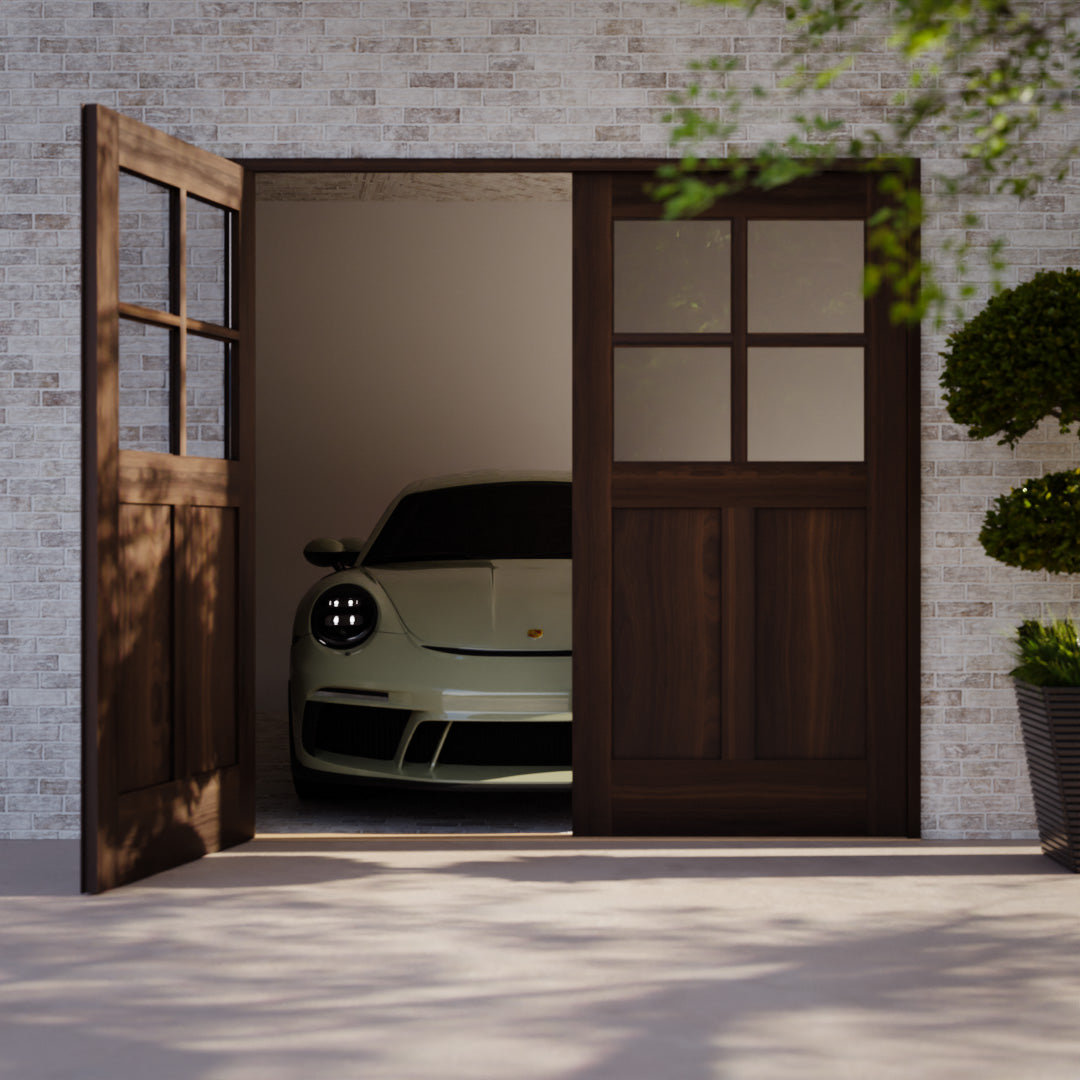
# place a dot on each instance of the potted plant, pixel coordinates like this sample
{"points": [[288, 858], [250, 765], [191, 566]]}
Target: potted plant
{"points": [[1012, 365], [1047, 681]]}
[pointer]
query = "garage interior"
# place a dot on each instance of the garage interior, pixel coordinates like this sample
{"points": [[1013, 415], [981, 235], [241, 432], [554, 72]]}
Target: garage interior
{"points": [[407, 325]]}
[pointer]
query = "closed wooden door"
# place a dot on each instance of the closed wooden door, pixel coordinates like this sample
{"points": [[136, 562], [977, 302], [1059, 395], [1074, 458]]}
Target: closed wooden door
{"points": [[745, 494], [168, 544]]}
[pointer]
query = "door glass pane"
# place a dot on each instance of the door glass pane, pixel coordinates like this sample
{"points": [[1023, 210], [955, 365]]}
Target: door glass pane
{"points": [[207, 262], [144, 242], [144, 386], [805, 276], [207, 365], [672, 404], [805, 404], [673, 277]]}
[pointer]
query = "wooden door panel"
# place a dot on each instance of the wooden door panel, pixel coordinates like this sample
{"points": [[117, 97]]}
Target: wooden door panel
{"points": [[208, 634], [666, 594], [168, 539], [810, 634], [743, 635], [145, 648]]}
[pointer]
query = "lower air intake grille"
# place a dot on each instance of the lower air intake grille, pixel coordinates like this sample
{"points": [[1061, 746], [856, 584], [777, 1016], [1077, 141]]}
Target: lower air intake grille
{"points": [[368, 731], [507, 742], [425, 741]]}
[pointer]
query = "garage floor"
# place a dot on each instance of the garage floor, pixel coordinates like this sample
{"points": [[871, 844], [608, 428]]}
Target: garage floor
{"points": [[393, 810], [545, 959]]}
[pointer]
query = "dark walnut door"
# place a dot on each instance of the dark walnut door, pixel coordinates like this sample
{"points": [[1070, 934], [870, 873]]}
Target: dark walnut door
{"points": [[168, 669], [744, 519]]}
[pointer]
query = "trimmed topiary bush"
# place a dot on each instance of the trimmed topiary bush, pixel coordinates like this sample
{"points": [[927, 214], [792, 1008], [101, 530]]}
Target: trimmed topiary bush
{"points": [[1018, 360], [1014, 363], [1037, 526]]}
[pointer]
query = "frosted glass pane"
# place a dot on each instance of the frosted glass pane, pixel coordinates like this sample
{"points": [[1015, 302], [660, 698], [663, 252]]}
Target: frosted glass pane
{"points": [[144, 386], [672, 404], [805, 404], [144, 242], [207, 262], [672, 277], [805, 276], [206, 371]]}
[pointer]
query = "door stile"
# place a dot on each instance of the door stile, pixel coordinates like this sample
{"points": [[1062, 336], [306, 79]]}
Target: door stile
{"points": [[592, 520], [890, 527], [240, 409], [181, 571], [178, 446], [100, 503], [737, 589], [914, 571]]}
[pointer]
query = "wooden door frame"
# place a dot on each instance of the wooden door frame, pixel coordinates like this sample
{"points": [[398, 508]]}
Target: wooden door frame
{"points": [[591, 495], [592, 510]]}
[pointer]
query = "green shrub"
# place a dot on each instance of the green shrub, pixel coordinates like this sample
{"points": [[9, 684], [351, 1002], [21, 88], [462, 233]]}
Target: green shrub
{"points": [[1018, 360], [1049, 653], [1037, 526]]}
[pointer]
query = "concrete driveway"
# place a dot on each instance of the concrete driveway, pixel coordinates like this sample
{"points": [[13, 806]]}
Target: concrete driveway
{"points": [[470, 958]]}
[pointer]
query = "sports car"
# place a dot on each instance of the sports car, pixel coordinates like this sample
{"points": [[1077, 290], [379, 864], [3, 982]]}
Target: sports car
{"points": [[437, 650]]}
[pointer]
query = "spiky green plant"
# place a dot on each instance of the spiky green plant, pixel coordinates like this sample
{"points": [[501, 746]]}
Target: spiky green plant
{"points": [[1049, 653]]}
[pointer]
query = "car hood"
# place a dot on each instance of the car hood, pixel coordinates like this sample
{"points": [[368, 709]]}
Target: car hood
{"points": [[489, 606]]}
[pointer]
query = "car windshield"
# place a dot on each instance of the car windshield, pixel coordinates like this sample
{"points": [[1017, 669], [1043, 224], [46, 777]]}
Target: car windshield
{"points": [[511, 520]]}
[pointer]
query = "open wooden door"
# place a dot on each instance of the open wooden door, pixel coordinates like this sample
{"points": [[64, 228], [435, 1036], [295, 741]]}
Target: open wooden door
{"points": [[168, 667], [745, 519]]}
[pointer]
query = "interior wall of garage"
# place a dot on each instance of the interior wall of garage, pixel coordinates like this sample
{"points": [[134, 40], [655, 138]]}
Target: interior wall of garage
{"points": [[396, 340]]}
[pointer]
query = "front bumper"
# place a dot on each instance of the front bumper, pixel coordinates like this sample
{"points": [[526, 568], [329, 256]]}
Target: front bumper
{"points": [[393, 710]]}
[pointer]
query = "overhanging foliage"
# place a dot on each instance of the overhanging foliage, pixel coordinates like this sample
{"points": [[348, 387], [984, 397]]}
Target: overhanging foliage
{"points": [[983, 75]]}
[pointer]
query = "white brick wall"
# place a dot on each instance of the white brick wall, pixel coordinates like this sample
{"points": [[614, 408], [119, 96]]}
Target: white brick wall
{"points": [[442, 78]]}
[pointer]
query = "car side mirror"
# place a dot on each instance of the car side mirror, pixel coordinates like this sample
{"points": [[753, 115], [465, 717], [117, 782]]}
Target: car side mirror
{"points": [[327, 553]]}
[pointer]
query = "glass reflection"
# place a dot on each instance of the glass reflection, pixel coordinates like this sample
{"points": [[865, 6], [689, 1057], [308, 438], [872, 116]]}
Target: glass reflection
{"points": [[207, 261], [672, 277], [144, 386], [144, 242], [805, 404], [206, 399], [672, 404], [805, 276]]}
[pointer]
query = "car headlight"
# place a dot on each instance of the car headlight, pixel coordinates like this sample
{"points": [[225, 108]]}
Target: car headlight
{"points": [[344, 616]]}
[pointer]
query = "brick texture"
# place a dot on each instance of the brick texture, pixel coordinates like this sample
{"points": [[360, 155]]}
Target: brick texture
{"points": [[442, 78]]}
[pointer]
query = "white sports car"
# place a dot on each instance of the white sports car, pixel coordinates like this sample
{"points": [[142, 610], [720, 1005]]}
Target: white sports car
{"points": [[438, 649]]}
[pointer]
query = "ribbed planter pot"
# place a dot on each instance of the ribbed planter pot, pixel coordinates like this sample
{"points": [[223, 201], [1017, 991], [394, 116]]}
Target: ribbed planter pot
{"points": [[1050, 717]]}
